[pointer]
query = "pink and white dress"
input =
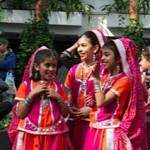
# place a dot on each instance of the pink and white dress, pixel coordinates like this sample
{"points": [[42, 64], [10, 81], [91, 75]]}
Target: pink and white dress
{"points": [[105, 132], [80, 83], [44, 127]]}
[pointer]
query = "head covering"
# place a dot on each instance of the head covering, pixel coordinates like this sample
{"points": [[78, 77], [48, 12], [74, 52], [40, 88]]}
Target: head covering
{"points": [[133, 121], [101, 39], [28, 70], [100, 36]]}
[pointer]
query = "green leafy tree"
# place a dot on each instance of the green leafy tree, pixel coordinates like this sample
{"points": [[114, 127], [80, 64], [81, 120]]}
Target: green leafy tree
{"points": [[4, 123], [37, 32], [134, 29], [69, 6], [34, 36], [1, 17], [133, 8]]}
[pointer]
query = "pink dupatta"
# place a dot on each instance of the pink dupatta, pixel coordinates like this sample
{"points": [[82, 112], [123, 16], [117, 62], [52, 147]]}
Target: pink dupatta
{"points": [[12, 130], [133, 121]]}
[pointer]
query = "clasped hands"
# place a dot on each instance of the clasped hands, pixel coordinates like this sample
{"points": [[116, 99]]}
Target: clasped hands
{"points": [[84, 111], [48, 92], [81, 112]]}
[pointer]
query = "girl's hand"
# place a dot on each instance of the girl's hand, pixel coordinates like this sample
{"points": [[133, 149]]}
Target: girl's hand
{"points": [[37, 90], [89, 101], [96, 70], [84, 112], [50, 93], [73, 111]]}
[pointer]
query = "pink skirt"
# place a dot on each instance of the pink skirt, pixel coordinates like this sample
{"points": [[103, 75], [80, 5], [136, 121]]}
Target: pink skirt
{"points": [[78, 132], [107, 139], [26, 141]]}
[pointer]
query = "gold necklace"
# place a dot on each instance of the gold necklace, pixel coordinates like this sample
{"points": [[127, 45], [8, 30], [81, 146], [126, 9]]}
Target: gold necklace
{"points": [[108, 82], [44, 101], [87, 73]]}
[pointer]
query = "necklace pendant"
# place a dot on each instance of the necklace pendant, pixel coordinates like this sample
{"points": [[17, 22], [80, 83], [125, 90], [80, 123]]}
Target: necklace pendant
{"points": [[45, 103], [82, 86]]}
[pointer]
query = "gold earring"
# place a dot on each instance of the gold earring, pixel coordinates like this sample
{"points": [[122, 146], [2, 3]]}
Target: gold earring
{"points": [[94, 57], [36, 75], [118, 69]]}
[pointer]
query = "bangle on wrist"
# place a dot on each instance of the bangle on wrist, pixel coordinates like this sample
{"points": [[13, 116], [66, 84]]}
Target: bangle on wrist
{"points": [[97, 87], [28, 101]]}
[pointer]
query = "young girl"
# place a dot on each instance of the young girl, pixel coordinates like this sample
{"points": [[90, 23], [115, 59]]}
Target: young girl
{"points": [[41, 106], [117, 123], [79, 82], [145, 66]]}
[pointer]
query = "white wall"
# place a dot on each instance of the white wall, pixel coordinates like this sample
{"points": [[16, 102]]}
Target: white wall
{"points": [[76, 25]]}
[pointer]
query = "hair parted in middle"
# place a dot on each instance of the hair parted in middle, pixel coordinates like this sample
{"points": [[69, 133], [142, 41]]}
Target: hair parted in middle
{"points": [[37, 57]]}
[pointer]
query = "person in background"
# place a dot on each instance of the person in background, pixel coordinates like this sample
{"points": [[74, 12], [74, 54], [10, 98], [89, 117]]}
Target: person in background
{"points": [[117, 122], [8, 59], [5, 106], [41, 106], [145, 70], [79, 83], [7, 63], [68, 58]]}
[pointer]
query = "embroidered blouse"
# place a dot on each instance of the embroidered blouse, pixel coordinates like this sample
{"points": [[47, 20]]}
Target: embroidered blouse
{"points": [[110, 114], [44, 116]]}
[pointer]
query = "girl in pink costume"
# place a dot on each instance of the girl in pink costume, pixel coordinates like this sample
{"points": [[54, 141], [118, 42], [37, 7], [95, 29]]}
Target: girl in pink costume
{"points": [[79, 81], [41, 106], [117, 122], [145, 68]]}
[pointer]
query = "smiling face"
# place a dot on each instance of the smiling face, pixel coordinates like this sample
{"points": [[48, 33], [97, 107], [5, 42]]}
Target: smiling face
{"points": [[86, 50], [47, 69], [109, 60]]}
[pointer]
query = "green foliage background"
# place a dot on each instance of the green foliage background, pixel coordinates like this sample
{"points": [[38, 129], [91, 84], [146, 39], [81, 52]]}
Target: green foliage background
{"points": [[134, 28], [34, 36], [38, 33]]}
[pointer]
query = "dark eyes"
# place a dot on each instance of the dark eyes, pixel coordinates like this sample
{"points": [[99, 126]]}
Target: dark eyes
{"points": [[51, 65], [83, 45], [106, 54]]}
